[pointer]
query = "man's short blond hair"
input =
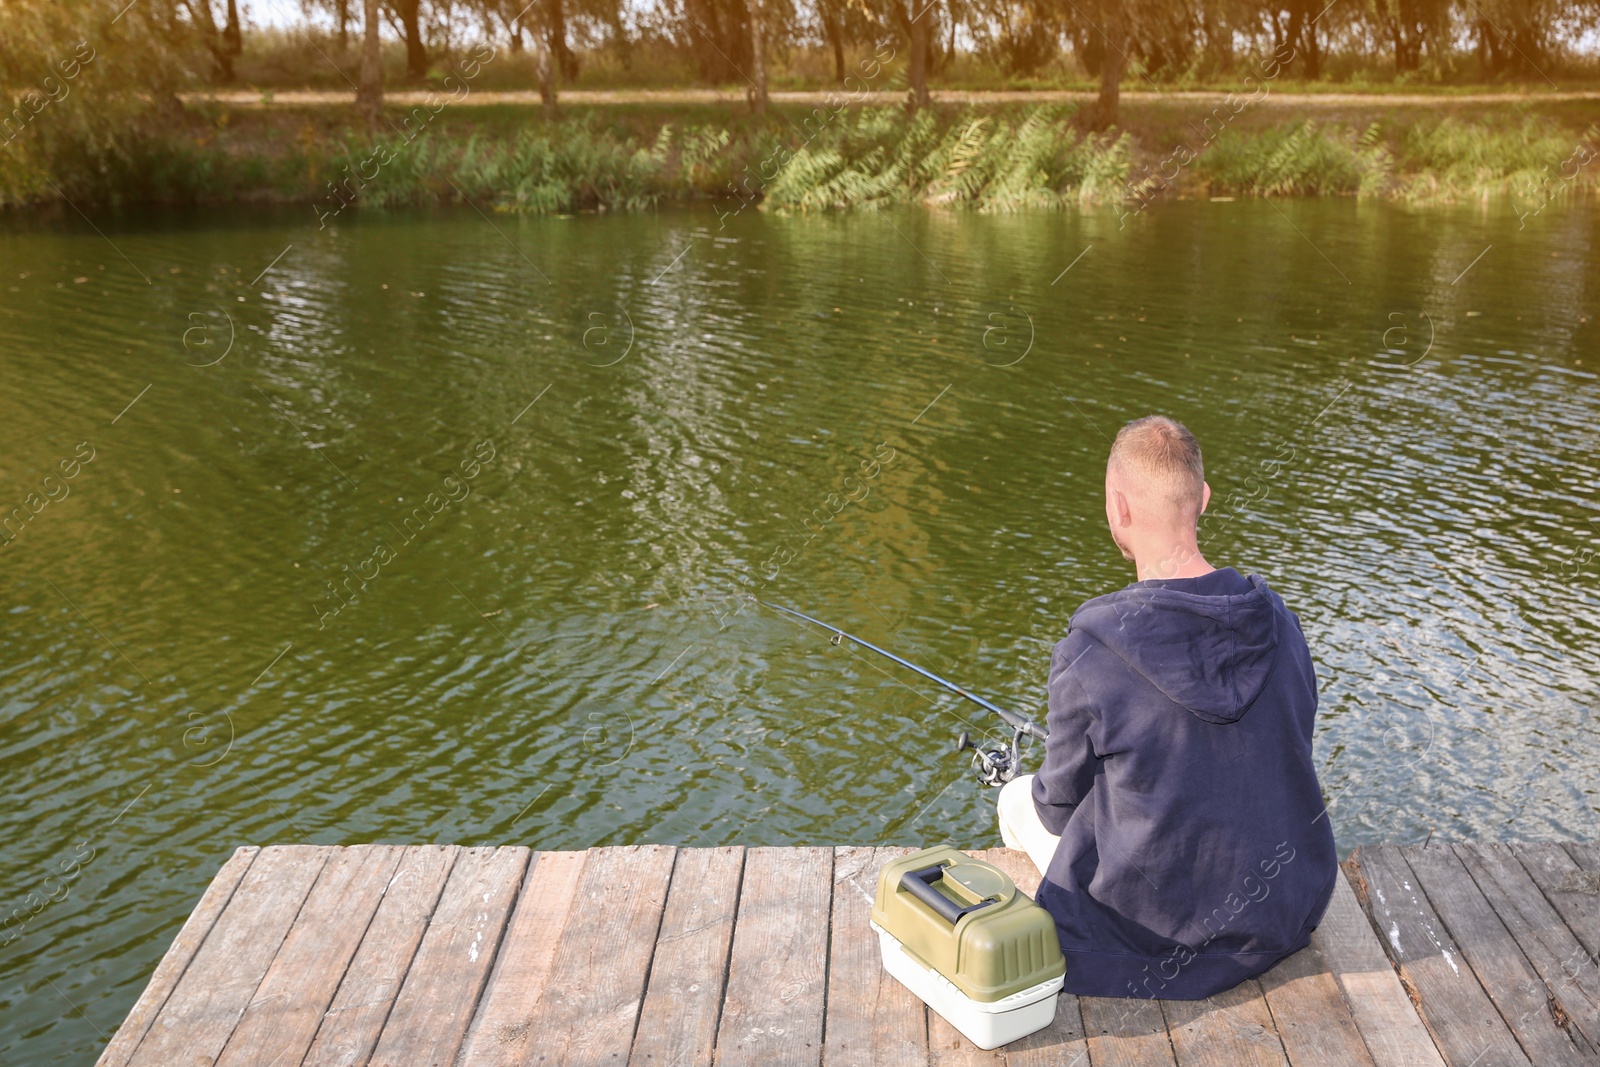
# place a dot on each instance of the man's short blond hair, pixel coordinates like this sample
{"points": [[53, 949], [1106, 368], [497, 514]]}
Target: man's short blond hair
{"points": [[1161, 455]]}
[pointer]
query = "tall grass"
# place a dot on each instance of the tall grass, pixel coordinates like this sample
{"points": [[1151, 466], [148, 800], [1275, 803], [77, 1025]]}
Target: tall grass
{"points": [[1302, 159], [989, 162], [999, 160], [1452, 158], [1442, 159], [861, 159]]}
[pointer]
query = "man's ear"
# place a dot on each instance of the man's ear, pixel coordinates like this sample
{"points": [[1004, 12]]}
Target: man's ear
{"points": [[1119, 505], [1205, 496]]}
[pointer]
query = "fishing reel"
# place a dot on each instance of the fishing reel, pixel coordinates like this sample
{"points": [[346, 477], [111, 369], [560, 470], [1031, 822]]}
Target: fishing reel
{"points": [[993, 766]]}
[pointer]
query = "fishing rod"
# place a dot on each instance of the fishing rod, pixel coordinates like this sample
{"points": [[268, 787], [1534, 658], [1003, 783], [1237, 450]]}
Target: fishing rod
{"points": [[994, 766]]}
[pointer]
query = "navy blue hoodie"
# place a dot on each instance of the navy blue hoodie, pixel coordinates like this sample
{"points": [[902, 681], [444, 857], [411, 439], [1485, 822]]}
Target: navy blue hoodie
{"points": [[1195, 849]]}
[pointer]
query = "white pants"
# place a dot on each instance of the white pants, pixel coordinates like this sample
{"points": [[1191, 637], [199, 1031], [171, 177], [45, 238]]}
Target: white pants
{"points": [[1019, 822]]}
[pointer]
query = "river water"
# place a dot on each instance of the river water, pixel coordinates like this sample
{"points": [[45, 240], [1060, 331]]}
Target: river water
{"points": [[433, 527]]}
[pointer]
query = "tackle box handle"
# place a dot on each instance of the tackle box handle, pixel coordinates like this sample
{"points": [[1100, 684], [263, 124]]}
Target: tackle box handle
{"points": [[919, 883]]}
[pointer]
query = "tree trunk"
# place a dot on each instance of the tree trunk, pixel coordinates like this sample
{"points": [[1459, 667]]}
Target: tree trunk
{"points": [[344, 24], [545, 70], [619, 37], [1297, 25], [917, 63], [369, 97], [221, 61], [1219, 40], [416, 53], [757, 93], [833, 32], [1497, 58], [1527, 38], [1302, 37], [566, 60], [232, 39], [1116, 60], [543, 66]]}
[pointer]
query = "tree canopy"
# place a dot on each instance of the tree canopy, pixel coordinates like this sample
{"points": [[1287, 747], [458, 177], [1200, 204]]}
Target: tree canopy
{"points": [[81, 74]]}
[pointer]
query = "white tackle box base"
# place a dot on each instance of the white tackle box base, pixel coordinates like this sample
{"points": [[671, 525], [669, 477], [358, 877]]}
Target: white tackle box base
{"points": [[987, 1025]]}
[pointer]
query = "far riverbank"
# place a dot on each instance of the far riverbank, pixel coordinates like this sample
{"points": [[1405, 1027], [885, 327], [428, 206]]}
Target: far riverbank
{"points": [[637, 149]]}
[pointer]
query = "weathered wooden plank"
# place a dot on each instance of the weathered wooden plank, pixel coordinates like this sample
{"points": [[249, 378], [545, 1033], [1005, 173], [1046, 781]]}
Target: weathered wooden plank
{"points": [[214, 992], [948, 1048], [871, 1018], [1229, 1029], [502, 1034], [282, 1019], [1126, 1032], [678, 1023], [597, 980], [1493, 955], [1309, 1010], [1496, 942], [1563, 965], [1465, 1026], [1390, 1026], [1585, 853], [1580, 891], [350, 1028], [178, 956], [773, 1009], [440, 994], [1573, 889], [1062, 1043]]}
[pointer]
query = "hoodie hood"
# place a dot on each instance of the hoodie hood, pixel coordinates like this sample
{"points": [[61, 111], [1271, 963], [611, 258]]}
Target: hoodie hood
{"points": [[1211, 654]]}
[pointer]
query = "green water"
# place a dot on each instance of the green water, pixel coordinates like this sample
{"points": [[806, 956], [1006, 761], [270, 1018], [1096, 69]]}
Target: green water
{"points": [[555, 449]]}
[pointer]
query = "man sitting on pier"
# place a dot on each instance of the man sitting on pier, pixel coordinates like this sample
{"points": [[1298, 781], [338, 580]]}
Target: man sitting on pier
{"points": [[1177, 818]]}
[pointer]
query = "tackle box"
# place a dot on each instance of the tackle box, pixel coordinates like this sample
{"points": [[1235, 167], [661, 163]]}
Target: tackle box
{"points": [[959, 934]]}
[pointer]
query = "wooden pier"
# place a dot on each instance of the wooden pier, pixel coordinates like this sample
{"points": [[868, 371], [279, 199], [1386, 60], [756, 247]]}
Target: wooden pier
{"points": [[441, 956]]}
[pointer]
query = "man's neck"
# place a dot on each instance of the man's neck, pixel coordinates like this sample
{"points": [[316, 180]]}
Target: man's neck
{"points": [[1182, 561]]}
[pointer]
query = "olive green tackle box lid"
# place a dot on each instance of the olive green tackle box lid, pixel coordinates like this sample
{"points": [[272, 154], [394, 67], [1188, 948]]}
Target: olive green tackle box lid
{"points": [[967, 920]]}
